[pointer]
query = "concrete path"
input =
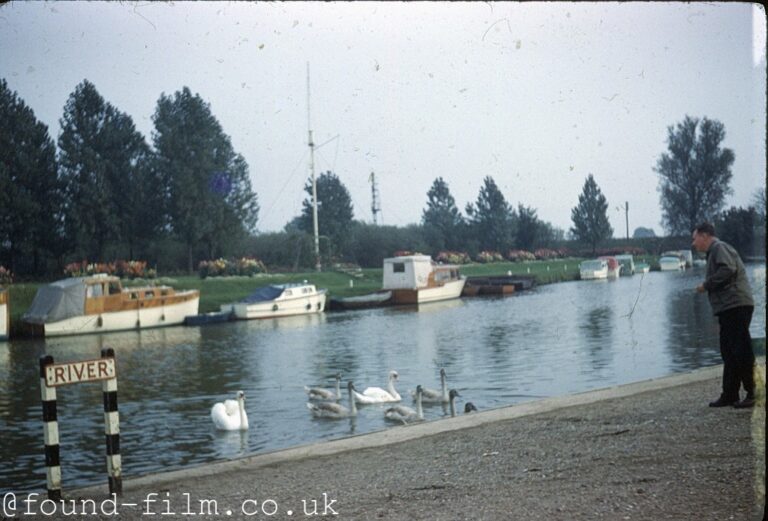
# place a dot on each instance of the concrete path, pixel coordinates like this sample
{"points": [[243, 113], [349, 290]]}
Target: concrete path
{"points": [[651, 450]]}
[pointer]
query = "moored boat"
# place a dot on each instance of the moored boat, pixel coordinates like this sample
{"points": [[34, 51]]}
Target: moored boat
{"points": [[593, 269], [99, 304], [371, 300], [279, 300], [497, 285], [416, 279], [671, 263], [627, 262], [613, 266], [642, 267], [5, 315]]}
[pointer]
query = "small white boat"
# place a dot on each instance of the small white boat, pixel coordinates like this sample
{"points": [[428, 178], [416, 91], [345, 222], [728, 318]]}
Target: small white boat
{"points": [[642, 267], [685, 258], [671, 263], [416, 279], [99, 303], [613, 266], [593, 269], [279, 300], [5, 315]]}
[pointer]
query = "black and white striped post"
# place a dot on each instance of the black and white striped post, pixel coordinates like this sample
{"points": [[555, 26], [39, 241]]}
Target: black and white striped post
{"points": [[51, 376], [50, 433], [112, 430]]}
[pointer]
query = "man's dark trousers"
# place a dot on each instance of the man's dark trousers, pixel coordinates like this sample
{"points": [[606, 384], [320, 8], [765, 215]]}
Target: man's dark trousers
{"points": [[736, 350]]}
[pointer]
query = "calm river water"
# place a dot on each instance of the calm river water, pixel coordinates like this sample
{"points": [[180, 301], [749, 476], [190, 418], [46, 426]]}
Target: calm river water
{"points": [[553, 340]]}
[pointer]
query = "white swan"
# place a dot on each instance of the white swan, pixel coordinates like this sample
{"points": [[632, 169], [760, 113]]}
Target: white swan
{"points": [[434, 396], [334, 410], [452, 397], [318, 393], [230, 415], [404, 414], [379, 395]]}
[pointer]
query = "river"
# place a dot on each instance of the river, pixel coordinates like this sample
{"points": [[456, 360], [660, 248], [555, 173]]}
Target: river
{"points": [[553, 340]]}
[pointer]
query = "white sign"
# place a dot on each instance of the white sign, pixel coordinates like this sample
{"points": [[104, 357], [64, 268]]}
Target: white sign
{"points": [[77, 372]]}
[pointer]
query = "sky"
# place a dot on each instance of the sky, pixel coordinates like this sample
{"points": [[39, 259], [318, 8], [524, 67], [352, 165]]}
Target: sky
{"points": [[536, 95]]}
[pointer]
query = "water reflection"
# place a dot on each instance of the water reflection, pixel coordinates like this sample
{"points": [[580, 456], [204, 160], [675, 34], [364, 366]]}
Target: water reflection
{"points": [[556, 339]]}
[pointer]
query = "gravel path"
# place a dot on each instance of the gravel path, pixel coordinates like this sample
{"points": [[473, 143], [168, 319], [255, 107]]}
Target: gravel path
{"points": [[657, 455]]}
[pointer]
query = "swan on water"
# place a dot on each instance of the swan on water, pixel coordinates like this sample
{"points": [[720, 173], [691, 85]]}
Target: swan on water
{"points": [[452, 397], [379, 395], [469, 407], [434, 396], [230, 415], [334, 410], [405, 414], [318, 393]]}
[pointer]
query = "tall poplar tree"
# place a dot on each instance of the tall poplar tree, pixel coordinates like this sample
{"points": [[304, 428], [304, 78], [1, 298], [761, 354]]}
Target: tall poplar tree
{"points": [[207, 185], [590, 217], [334, 210], [492, 218], [30, 191], [441, 218]]}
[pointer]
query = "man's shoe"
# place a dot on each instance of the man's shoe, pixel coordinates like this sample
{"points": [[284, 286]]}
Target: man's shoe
{"points": [[746, 403], [724, 402]]}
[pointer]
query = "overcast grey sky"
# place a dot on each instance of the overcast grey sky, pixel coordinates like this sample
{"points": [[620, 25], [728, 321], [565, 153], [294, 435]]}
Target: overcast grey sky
{"points": [[536, 95]]}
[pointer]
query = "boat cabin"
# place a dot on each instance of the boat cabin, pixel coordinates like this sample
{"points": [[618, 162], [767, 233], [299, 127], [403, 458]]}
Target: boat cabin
{"points": [[416, 272]]}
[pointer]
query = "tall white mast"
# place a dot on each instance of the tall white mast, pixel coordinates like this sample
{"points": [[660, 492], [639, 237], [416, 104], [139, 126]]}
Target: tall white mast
{"points": [[314, 182]]}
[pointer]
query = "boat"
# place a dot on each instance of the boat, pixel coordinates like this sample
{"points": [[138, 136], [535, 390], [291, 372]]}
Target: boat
{"points": [[204, 319], [5, 315], [642, 267], [497, 285], [627, 263], [593, 269], [613, 266], [98, 304], [417, 279], [684, 257], [671, 263], [278, 300], [371, 300]]}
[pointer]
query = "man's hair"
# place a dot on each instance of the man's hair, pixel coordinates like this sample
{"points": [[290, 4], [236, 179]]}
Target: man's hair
{"points": [[705, 227]]}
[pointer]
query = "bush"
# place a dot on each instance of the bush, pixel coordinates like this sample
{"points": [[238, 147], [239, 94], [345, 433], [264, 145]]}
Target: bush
{"points": [[6, 277], [489, 256], [520, 256], [119, 268], [453, 257]]}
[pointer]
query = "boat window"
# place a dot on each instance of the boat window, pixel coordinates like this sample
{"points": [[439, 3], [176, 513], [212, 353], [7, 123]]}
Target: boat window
{"points": [[163, 292], [134, 295], [398, 267], [114, 288], [94, 290], [149, 294]]}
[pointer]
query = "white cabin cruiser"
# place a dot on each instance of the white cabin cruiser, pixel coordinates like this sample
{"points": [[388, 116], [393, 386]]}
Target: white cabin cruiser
{"points": [[279, 300], [416, 279]]}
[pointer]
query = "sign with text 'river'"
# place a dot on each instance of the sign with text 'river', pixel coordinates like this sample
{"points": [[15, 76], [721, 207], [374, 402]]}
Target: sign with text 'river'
{"points": [[77, 372]]}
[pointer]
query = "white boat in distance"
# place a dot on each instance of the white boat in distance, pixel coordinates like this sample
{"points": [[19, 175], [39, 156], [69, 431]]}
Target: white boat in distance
{"points": [[5, 315], [671, 263], [614, 268], [279, 300], [416, 279], [593, 269], [99, 303]]}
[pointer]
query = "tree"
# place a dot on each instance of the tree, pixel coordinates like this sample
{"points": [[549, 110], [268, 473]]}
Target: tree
{"points": [[758, 201], [643, 233], [531, 231], [491, 218], [30, 191], [334, 210], [590, 220], [695, 174], [736, 227], [206, 185], [441, 218]]}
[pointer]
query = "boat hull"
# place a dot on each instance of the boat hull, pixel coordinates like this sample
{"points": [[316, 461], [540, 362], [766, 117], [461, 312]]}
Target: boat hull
{"points": [[302, 305], [593, 274], [140, 318], [450, 290]]}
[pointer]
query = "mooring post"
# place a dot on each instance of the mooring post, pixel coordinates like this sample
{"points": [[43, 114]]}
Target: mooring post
{"points": [[50, 433], [112, 429]]}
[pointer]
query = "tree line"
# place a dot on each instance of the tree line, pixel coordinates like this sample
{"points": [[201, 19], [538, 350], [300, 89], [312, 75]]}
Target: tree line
{"points": [[103, 192]]}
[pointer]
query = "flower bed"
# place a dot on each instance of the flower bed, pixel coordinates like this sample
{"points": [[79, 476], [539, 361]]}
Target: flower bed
{"points": [[245, 266], [453, 257], [120, 268], [520, 256], [489, 256]]}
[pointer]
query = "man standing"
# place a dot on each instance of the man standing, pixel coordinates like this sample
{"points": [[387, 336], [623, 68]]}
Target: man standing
{"points": [[731, 299]]}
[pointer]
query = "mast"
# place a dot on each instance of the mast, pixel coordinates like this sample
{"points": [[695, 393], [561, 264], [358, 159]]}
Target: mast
{"points": [[375, 204], [314, 182]]}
